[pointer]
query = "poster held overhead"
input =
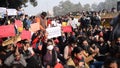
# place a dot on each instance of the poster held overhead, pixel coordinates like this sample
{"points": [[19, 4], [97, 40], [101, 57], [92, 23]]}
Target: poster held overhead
{"points": [[34, 27], [53, 32], [7, 30], [3, 10], [11, 12]]}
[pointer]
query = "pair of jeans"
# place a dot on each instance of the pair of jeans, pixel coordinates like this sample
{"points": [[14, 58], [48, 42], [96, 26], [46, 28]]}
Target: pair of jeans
{"points": [[96, 64]]}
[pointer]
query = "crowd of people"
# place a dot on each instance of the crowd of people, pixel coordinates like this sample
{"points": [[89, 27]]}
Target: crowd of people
{"points": [[89, 45]]}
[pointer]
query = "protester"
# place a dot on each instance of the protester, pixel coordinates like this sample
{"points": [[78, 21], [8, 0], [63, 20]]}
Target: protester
{"points": [[26, 22], [16, 60], [76, 59], [96, 20], [85, 46], [68, 49], [50, 55], [43, 21]]}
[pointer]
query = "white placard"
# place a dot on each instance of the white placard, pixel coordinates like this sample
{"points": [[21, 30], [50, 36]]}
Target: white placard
{"points": [[11, 12], [3, 10], [1, 15], [53, 32]]}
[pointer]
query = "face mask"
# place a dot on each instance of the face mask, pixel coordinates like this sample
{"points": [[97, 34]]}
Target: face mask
{"points": [[50, 47]]}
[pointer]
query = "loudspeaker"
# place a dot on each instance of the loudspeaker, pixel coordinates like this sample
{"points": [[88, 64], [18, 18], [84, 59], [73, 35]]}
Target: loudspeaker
{"points": [[118, 6]]}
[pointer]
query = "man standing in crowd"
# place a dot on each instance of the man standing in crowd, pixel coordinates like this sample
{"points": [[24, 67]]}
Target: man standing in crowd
{"points": [[43, 21], [115, 23]]}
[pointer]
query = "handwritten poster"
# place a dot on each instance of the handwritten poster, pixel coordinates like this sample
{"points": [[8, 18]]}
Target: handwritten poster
{"points": [[34, 27], [7, 30], [53, 32]]}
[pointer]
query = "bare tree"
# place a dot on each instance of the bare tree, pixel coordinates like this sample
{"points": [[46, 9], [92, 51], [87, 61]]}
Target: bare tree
{"points": [[65, 7], [87, 7]]}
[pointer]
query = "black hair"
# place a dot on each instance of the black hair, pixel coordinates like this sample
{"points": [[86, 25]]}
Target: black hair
{"points": [[71, 40], [17, 66], [44, 14], [69, 66], [76, 50], [50, 40], [25, 41], [26, 15], [72, 18], [21, 15], [108, 61]]}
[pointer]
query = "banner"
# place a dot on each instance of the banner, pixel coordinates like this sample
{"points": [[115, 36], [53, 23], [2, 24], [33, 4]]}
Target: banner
{"points": [[11, 12], [34, 27], [7, 30], [53, 32], [67, 29], [25, 35]]}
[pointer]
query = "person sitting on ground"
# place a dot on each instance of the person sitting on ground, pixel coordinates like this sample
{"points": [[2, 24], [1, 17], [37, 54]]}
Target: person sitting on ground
{"points": [[76, 59]]}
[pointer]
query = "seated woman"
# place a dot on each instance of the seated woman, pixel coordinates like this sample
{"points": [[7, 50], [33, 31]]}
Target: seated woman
{"points": [[76, 59], [69, 48], [49, 57], [89, 55]]}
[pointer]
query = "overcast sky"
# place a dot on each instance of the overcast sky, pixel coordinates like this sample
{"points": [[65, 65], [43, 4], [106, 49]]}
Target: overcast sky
{"points": [[47, 5]]}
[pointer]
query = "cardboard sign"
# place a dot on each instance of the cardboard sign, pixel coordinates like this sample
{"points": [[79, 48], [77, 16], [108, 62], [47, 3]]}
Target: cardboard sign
{"points": [[12, 40], [16, 38], [53, 32], [67, 29], [11, 12], [34, 27], [25, 35], [7, 42], [7, 30]]}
